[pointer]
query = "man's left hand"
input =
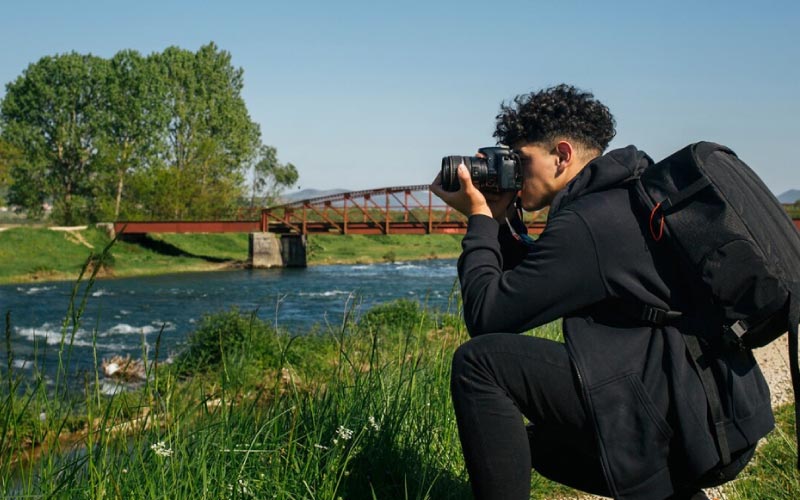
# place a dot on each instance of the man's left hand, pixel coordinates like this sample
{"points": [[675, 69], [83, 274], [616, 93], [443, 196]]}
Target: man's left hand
{"points": [[468, 199]]}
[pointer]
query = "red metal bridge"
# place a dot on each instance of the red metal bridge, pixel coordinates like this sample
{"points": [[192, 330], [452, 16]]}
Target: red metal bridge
{"points": [[390, 210]]}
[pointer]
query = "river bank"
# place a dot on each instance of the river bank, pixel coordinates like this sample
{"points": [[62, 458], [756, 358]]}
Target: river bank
{"points": [[36, 254]]}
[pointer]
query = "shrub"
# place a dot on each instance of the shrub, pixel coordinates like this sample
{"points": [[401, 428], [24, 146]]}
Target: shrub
{"points": [[401, 315], [228, 335]]}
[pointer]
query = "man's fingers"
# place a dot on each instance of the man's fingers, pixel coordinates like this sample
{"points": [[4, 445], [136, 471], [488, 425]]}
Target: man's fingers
{"points": [[436, 185], [463, 177]]}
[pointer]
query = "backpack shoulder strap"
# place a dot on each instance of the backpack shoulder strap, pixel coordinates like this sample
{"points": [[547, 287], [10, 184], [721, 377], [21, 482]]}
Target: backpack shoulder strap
{"points": [[703, 368]]}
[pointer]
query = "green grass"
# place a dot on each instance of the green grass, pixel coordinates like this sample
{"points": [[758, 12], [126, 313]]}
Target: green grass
{"points": [[35, 254], [228, 246], [330, 249], [772, 473], [30, 254]]}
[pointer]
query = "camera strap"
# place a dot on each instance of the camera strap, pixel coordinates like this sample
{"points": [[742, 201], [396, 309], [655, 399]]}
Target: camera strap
{"points": [[521, 236]]}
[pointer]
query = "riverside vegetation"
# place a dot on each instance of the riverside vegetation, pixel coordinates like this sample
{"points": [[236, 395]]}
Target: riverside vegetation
{"points": [[39, 254], [359, 410]]}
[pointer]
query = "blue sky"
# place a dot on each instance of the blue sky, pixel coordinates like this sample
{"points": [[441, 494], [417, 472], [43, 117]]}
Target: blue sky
{"points": [[371, 94]]}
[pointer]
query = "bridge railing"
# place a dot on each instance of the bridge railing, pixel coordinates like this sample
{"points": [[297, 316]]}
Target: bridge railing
{"points": [[396, 210]]}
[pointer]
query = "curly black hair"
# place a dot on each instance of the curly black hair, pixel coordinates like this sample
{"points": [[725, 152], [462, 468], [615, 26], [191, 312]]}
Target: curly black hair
{"points": [[555, 112]]}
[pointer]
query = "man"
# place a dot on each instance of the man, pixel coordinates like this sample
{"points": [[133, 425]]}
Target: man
{"points": [[618, 409]]}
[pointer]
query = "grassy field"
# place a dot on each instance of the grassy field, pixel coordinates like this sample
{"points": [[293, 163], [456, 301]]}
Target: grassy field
{"points": [[363, 249], [360, 411], [37, 254]]}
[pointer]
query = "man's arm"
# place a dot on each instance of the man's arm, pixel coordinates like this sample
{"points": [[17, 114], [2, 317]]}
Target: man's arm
{"points": [[560, 274]]}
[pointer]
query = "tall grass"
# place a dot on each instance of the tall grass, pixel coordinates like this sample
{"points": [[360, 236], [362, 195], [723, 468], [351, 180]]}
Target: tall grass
{"points": [[772, 474]]}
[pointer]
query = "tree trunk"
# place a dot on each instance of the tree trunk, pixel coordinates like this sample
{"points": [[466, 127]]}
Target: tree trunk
{"points": [[119, 193]]}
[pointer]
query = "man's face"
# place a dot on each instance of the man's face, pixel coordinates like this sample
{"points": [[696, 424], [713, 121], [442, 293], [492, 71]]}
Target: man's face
{"points": [[540, 179]]}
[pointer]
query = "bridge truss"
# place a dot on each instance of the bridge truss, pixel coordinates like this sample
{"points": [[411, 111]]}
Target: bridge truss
{"points": [[391, 210]]}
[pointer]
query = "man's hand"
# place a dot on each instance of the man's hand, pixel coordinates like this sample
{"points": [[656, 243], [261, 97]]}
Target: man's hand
{"points": [[467, 200], [470, 201]]}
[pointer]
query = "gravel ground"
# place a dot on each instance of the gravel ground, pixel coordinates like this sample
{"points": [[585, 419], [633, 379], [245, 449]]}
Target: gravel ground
{"points": [[774, 362]]}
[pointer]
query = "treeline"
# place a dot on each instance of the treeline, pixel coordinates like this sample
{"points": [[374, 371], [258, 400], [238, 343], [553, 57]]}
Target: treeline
{"points": [[164, 136]]}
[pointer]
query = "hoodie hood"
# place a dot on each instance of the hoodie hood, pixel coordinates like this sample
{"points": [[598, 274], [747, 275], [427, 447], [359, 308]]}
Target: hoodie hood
{"points": [[604, 172]]}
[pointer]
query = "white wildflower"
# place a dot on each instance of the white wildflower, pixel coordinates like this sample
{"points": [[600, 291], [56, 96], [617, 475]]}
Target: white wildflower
{"points": [[244, 487], [344, 433], [161, 449], [322, 447], [372, 423]]}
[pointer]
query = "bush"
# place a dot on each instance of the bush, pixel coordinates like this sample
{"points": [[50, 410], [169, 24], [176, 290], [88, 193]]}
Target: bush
{"points": [[401, 315], [228, 335]]}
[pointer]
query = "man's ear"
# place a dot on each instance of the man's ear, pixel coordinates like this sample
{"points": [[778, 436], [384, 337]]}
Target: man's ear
{"points": [[565, 153]]}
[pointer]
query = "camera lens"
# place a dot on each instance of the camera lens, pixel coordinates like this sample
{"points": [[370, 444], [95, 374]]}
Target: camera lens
{"points": [[478, 170]]}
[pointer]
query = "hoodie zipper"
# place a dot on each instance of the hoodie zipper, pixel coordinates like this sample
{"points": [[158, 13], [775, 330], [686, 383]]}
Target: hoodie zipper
{"points": [[590, 415]]}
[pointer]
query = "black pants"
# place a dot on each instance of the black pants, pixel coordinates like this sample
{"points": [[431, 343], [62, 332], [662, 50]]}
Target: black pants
{"points": [[496, 380]]}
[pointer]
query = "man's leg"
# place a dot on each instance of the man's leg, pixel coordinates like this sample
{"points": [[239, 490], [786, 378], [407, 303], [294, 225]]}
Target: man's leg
{"points": [[500, 377]]}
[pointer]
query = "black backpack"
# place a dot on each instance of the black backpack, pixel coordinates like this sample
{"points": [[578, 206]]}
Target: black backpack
{"points": [[738, 245]]}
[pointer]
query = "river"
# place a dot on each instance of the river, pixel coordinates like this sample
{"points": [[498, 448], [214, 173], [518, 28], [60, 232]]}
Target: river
{"points": [[125, 316]]}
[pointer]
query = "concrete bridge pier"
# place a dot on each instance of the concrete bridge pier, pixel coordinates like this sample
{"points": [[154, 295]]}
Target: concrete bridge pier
{"points": [[271, 250]]}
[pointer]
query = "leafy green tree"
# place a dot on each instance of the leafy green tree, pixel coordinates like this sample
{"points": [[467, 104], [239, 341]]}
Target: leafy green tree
{"points": [[270, 177], [9, 156], [50, 114], [209, 137], [162, 136], [132, 123]]}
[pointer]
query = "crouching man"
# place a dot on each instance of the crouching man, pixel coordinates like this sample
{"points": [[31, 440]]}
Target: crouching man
{"points": [[618, 409]]}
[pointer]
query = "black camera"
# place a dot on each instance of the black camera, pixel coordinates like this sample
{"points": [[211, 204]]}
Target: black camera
{"points": [[499, 171]]}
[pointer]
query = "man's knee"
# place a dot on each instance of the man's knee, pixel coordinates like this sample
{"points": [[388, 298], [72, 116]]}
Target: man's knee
{"points": [[469, 364]]}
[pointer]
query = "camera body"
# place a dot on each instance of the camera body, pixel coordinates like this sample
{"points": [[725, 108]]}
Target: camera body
{"points": [[499, 171]]}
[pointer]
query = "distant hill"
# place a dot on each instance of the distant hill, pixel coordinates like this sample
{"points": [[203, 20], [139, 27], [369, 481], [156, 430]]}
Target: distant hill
{"points": [[790, 196]]}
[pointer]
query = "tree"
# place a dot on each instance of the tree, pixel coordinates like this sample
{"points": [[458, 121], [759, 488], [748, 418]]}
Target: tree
{"points": [[270, 177], [163, 136], [133, 119], [209, 137], [9, 156], [50, 114]]}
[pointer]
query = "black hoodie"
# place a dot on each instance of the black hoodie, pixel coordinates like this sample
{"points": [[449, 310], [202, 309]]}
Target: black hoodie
{"points": [[593, 265]]}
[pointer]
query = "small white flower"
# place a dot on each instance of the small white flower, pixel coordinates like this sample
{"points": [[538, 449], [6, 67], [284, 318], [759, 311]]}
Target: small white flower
{"points": [[322, 447], [344, 433], [372, 423], [161, 449], [244, 487]]}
